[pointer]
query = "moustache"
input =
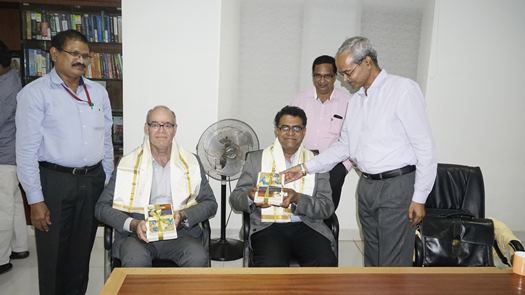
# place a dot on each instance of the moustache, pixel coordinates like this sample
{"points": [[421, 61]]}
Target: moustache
{"points": [[79, 64]]}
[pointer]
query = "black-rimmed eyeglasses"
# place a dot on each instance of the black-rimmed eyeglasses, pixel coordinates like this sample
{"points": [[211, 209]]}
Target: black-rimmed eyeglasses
{"points": [[286, 128], [157, 125]]}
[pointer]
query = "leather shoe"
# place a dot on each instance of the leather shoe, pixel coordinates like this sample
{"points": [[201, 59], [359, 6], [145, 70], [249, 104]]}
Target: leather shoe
{"points": [[5, 267], [19, 255]]}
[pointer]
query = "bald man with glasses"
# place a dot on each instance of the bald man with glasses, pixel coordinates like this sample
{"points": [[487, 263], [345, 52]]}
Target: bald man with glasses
{"points": [[158, 172]]}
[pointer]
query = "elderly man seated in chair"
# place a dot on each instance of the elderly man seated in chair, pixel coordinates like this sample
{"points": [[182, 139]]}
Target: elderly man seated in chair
{"points": [[286, 220], [158, 172]]}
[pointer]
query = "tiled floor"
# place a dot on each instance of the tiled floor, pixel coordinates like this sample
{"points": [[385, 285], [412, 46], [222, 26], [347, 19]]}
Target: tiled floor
{"points": [[23, 278]]}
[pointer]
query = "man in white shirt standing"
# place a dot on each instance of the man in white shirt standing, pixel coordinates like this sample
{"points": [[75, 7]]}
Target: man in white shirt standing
{"points": [[387, 135], [325, 107]]}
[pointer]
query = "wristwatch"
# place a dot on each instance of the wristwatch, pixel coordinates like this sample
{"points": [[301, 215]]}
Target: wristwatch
{"points": [[303, 169]]}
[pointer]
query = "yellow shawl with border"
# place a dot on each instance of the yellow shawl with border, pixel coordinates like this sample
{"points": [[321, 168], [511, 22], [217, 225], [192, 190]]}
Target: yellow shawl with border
{"points": [[135, 175]]}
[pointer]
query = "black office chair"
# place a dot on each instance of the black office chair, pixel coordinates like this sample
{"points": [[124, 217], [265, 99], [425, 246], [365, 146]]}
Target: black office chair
{"points": [[458, 189], [111, 262], [332, 222]]}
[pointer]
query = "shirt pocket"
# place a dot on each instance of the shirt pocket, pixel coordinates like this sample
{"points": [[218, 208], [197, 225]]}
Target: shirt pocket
{"points": [[95, 119], [336, 124]]}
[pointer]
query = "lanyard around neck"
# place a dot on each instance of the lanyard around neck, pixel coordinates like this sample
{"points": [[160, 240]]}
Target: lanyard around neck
{"points": [[78, 98]]}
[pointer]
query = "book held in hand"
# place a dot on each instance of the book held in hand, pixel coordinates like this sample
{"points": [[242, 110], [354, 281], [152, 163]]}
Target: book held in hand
{"points": [[160, 223], [270, 192], [269, 188]]}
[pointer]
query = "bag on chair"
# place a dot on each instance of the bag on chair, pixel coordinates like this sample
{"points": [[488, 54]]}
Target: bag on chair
{"points": [[454, 238]]}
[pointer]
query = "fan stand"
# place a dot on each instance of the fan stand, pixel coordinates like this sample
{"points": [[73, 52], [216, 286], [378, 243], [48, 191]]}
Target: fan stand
{"points": [[224, 249]]}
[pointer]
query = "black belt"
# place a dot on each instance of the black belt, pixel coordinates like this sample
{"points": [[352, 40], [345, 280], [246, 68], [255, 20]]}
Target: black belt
{"points": [[391, 173], [75, 171]]}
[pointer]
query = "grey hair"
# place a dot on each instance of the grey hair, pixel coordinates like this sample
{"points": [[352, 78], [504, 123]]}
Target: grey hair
{"points": [[359, 47], [160, 107]]}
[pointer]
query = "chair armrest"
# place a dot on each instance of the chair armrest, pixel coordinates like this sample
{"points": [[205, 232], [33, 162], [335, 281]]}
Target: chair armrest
{"points": [[206, 234], [108, 237], [245, 236], [516, 245], [418, 253], [333, 224]]}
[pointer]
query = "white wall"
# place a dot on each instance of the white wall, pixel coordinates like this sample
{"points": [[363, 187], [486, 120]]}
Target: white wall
{"points": [[475, 93], [229, 58], [394, 31], [171, 57], [427, 25]]}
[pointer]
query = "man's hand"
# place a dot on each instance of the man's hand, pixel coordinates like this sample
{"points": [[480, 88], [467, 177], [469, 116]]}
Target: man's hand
{"points": [[292, 197], [252, 193], [40, 216], [292, 174], [139, 227], [416, 212], [178, 217]]}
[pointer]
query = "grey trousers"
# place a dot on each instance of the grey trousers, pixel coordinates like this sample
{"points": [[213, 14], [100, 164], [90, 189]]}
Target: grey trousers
{"points": [[383, 212], [185, 251]]}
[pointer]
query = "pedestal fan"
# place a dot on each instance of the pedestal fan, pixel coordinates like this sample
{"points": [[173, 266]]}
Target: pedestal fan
{"points": [[222, 149]]}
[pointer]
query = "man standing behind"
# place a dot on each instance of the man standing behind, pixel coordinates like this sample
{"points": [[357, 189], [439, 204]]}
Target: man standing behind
{"points": [[158, 172], [64, 155], [325, 107], [13, 228], [387, 135]]}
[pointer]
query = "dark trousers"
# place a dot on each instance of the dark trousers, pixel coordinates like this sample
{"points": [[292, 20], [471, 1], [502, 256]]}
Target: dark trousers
{"points": [[337, 179], [275, 245], [64, 251]]}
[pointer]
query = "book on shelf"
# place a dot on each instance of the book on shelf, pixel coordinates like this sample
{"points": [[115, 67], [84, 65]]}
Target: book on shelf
{"points": [[105, 66], [97, 27], [102, 66], [118, 130], [38, 62], [160, 222]]}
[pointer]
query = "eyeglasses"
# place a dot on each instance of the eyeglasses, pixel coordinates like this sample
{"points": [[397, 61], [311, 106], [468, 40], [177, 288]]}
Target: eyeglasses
{"points": [[157, 125], [286, 128], [76, 54], [326, 77], [348, 73]]}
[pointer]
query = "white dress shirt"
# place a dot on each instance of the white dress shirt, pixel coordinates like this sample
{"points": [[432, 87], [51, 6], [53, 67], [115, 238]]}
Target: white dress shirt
{"points": [[386, 129], [160, 188]]}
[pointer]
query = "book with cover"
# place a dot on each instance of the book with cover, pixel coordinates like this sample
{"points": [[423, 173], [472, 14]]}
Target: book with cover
{"points": [[160, 223], [270, 192], [269, 188]]}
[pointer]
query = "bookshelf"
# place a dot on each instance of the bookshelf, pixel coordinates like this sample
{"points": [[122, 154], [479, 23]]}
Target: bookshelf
{"points": [[27, 29], [17, 34]]}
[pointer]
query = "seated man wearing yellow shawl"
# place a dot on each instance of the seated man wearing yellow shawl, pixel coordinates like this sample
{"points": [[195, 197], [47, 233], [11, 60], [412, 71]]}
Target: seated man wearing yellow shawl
{"points": [[306, 238], [158, 172]]}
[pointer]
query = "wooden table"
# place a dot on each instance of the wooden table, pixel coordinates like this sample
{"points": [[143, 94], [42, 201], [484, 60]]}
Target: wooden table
{"points": [[376, 281]]}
